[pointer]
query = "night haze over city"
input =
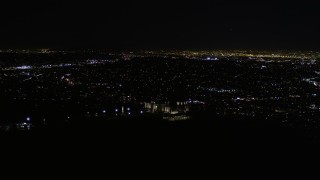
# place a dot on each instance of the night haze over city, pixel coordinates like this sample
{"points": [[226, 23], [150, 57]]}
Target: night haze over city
{"points": [[161, 89]]}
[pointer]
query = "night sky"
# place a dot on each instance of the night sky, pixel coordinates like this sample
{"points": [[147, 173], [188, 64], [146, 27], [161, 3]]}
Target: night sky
{"points": [[160, 24]]}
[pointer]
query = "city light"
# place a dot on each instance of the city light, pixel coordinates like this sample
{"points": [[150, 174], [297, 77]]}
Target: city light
{"points": [[242, 84]]}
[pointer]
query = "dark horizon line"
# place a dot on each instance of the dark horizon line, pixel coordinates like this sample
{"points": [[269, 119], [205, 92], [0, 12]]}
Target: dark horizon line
{"points": [[160, 49]]}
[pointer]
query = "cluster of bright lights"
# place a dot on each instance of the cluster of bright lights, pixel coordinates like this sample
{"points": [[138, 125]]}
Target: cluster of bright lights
{"points": [[23, 67]]}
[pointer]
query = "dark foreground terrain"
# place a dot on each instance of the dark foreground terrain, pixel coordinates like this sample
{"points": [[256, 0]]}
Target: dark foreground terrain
{"points": [[201, 149]]}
